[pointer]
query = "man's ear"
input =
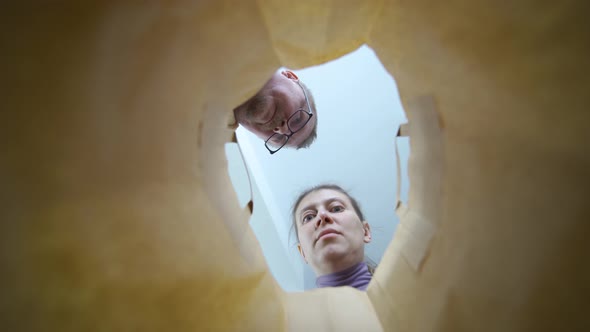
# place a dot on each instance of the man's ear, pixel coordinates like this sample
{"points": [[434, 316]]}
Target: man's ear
{"points": [[290, 75], [301, 252], [367, 229]]}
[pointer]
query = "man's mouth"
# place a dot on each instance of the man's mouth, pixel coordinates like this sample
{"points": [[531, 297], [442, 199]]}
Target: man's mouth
{"points": [[271, 117]]}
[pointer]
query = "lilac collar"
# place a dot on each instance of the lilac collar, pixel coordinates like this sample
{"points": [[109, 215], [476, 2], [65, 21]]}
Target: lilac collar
{"points": [[357, 276]]}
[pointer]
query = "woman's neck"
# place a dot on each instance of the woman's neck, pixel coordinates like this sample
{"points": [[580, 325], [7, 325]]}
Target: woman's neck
{"points": [[357, 276], [337, 264]]}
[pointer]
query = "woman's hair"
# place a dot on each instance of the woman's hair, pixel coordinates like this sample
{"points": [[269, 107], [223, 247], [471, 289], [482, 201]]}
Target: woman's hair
{"points": [[370, 263]]}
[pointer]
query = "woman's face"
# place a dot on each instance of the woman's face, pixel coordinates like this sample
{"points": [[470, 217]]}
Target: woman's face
{"points": [[331, 234]]}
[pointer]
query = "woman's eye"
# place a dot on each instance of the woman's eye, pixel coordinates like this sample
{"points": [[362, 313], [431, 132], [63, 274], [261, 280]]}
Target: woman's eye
{"points": [[337, 208], [307, 218]]}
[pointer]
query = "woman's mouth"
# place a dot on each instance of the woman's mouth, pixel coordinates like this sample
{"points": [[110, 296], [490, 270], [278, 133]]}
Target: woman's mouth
{"points": [[327, 233]]}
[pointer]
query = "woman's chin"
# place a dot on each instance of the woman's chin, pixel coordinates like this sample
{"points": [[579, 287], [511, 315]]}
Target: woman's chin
{"points": [[333, 252]]}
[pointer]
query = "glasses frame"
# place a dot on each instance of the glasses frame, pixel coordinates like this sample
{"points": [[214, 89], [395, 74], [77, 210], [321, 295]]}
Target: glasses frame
{"points": [[310, 113]]}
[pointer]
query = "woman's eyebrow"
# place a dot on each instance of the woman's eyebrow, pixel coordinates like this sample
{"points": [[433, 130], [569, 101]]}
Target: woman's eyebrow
{"points": [[325, 202], [307, 207]]}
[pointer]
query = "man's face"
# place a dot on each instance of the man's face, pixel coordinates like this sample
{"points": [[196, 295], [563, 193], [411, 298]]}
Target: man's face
{"points": [[268, 111]]}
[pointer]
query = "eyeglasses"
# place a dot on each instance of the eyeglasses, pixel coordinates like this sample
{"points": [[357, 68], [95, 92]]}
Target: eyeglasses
{"points": [[295, 123]]}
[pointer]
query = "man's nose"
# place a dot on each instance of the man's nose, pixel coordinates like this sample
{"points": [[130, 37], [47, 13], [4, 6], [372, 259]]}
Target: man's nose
{"points": [[324, 218], [282, 128]]}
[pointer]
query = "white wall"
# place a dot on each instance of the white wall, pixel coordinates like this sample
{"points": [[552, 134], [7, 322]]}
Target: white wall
{"points": [[285, 267], [358, 112]]}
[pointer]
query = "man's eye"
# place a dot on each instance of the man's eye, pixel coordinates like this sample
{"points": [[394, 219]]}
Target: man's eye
{"points": [[277, 139], [298, 118]]}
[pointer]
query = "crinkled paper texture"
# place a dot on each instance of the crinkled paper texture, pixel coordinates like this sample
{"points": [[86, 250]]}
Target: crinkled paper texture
{"points": [[118, 214]]}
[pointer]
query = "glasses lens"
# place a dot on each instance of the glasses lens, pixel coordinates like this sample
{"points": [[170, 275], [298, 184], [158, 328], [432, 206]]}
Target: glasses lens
{"points": [[276, 142], [298, 120]]}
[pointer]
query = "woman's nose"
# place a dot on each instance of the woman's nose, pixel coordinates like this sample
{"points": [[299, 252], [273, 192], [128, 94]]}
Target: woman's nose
{"points": [[281, 128], [324, 217]]}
